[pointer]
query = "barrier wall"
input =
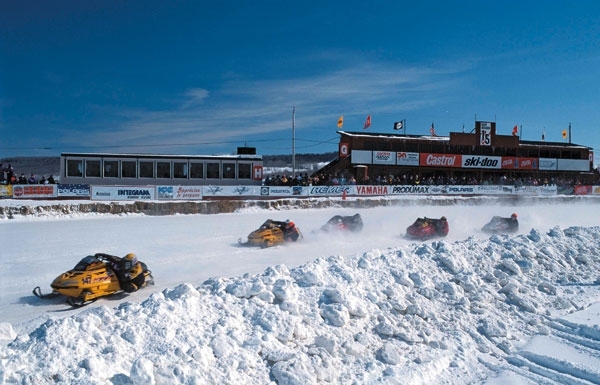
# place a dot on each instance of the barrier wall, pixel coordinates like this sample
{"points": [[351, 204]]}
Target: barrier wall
{"points": [[136, 193]]}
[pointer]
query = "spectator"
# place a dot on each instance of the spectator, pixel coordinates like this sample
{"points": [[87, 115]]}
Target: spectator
{"points": [[22, 179], [31, 179], [51, 180], [43, 180]]}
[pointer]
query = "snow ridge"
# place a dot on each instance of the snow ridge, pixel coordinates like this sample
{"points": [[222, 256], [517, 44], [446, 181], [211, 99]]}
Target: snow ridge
{"points": [[464, 312]]}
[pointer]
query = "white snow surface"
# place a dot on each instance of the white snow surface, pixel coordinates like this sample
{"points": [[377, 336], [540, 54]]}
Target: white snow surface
{"points": [[368, 308]]}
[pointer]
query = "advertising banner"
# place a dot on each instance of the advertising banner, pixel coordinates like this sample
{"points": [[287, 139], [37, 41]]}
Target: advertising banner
{"points": [[283, 191], [372, 190], [440, 160], [547, 164], [410, 190], [331, 190], [407, 158], [361, 157], [179, 192], [514, 163], [5, 191], [230, 191], [476, 161], [123, 193], [384, 157], [573, 165], [74, 190], [493, 190], [582, 190], [26, 191]]}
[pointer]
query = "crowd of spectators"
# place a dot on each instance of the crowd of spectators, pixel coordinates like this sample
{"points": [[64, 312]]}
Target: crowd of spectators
{"points": [[440, 179], [9, 176]]}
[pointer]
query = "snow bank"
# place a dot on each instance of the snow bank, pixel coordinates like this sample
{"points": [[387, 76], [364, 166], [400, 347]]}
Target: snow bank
{"points": [[434, 313]]}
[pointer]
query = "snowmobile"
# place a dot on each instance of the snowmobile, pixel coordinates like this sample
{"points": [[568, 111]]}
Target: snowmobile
{"points": [[272, 233], [92, 278], [426, 228], [500, 225], [350, 223]]}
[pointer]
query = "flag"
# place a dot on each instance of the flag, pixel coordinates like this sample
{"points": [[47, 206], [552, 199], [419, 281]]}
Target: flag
{"points": [[564, 134], [367, 122], [398, 125], [543, 135], [341, 121], [515, 130], [432, 130]]}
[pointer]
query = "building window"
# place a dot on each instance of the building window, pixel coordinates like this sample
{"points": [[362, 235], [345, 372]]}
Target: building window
{"points": [[163, 170], [197, 170], [212, 170], [228, 170], [128, 168], [244, 171], [92, 168], [111, 168], [75, 167], [180, 170], [146, 169]]}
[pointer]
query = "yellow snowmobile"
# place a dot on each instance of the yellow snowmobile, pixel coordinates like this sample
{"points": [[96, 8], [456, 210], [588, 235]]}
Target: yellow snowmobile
{"points": [[92, 278], [272, 233]]}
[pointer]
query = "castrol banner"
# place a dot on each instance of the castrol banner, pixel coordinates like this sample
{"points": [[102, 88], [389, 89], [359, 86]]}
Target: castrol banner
{"points": [[440, 160]]}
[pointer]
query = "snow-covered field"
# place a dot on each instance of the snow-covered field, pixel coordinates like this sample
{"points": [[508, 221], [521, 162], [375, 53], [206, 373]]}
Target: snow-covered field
{"points": [[370, 308]]}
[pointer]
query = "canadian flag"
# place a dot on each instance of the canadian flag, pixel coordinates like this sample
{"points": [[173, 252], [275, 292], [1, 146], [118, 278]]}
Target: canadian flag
{"points": [[367, 122], [515, 130]]}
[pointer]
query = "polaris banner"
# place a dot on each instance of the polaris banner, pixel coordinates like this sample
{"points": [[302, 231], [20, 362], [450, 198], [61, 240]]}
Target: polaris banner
{"points": [[74, 190], [123, 193], [179, 192]]}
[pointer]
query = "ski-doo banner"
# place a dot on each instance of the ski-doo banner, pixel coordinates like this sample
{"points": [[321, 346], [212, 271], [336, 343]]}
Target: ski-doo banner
{"points": [[179, 192], [230, 191], [123, 193], [74, 190], [34, 191], [476, 161]]}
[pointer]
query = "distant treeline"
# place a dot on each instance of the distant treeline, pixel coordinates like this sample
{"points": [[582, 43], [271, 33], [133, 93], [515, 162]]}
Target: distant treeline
{"points": [[286, 160]]}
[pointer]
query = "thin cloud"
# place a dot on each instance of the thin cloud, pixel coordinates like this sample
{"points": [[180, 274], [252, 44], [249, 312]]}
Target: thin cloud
{"points": [[244, 108]]}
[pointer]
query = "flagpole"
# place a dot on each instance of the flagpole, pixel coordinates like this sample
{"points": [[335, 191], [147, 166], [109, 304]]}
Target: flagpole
{"points": [[294, 142], [569, 132]]}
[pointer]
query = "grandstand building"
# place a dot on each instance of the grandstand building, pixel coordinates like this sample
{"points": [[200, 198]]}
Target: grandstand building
{"points": [[481, 156]]}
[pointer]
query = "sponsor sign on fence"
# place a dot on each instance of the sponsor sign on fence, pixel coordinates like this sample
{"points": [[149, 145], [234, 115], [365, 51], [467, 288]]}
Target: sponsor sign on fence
{"points": [[34, 191], [123, 193]]}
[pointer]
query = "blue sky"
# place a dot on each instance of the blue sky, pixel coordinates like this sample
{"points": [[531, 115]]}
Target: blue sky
{"points": [[199, 77]]}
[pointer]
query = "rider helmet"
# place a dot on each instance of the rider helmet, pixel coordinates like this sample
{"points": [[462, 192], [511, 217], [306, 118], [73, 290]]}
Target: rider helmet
{"points": [[513, 216], [130, 261], [443, 218]]}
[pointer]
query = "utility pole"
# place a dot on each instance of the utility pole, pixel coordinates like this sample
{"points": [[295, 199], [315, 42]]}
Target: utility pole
{"points": [[294, 142]]}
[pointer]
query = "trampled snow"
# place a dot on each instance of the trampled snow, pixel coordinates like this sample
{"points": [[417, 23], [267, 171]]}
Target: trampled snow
{"points": [[366, 308]]}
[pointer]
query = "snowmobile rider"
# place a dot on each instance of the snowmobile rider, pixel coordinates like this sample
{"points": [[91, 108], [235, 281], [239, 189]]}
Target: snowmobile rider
{"points": [[513, 223], [290, 231], [128, 270]]}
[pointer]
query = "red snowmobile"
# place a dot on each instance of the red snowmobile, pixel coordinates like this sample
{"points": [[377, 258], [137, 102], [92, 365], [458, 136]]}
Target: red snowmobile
{"points": [[426, 228]]}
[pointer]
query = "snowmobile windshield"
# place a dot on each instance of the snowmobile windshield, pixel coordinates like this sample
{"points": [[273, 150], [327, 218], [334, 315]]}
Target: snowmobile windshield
{"points": [[85, 262]]}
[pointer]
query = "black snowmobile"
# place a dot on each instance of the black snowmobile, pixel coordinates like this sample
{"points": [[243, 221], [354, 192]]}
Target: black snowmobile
{"points": [[350, 223], [500, 225]]}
